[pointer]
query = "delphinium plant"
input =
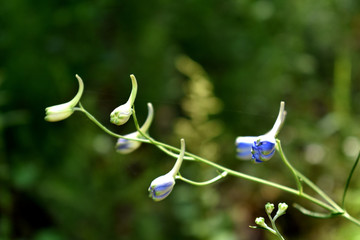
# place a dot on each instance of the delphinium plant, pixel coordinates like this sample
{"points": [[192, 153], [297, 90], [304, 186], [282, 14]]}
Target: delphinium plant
{"points": [[259, 149]]}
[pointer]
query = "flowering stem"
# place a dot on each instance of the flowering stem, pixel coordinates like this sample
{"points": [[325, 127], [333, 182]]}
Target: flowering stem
{"points": [[277, 233], [333, 207]]}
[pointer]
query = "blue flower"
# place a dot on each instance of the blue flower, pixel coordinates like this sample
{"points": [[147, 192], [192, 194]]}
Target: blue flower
{"points": [[162, 186], [260, 148]]}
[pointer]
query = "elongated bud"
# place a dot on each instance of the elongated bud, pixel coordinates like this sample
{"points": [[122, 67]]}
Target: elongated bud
{"points": [[62, 111], [121, 114], [125, 146], [162, 186]]}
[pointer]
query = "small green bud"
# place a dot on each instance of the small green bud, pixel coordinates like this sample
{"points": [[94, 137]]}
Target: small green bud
{"points": [[269, 207], [261, 222], [121, 114], [282, 207]]}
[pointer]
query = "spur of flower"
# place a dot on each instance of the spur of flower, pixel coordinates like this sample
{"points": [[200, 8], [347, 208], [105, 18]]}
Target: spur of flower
{"points": [[162, 186], [121, 114], [261, 148], [62, 111], [124, 145]]}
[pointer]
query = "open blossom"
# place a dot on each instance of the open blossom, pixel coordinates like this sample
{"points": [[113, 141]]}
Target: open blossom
{"points": [[261, 148], [62, 111], [121, 114], [162, 186], [125, 146]]}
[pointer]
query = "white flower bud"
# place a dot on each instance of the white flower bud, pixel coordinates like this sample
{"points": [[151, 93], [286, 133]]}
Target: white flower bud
{"points": [[62, 111], [162, 186]]}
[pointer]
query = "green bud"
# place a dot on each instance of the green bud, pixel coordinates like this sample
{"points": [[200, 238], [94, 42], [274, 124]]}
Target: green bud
{"points": [[269, 207], [261, 222], [121, 114], [282, 207]]}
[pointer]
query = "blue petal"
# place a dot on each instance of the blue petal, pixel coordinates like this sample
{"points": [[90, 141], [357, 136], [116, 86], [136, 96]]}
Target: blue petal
{"points": [[123, 144], [163, 186], [262, 150], [243, 147]]}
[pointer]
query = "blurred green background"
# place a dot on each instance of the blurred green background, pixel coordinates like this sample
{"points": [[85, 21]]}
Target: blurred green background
{"points": [[213, 70]]}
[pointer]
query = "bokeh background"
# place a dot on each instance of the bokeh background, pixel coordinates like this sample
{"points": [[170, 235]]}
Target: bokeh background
{"points": [[213, 70]]}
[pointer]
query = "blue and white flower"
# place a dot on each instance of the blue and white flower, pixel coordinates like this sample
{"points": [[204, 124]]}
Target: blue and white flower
{"points": [[121, 114], [126, 146], [162, 186], [261, 148], [62, 111]]}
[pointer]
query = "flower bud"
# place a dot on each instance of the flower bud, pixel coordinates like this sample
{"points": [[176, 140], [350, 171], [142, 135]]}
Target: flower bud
{"points": [[261, 148], [121, 114], [269, 207], [125, 146], [162, 186], [261, 222], [282, 207], [62, 111]]}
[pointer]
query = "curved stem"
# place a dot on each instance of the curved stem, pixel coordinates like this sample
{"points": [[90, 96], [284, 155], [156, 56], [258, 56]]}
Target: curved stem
{"points": [[298, 175], [94, 120], [287, 163], [217, 178]]}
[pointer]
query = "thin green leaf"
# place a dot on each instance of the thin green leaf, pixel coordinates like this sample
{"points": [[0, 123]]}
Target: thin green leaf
{"points": [[348, 180], [315, 214]]}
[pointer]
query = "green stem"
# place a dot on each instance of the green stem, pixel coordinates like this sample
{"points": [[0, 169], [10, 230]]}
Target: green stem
{"points": [[217, 178], [298, 175], [351, 218], [287, 163], [277, 233], [320, 192]]}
